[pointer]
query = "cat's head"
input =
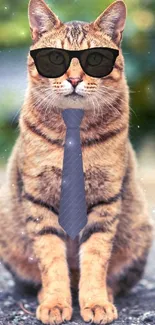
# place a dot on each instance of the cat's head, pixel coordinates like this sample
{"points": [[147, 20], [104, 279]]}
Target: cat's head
{"points": [[48, 31]]}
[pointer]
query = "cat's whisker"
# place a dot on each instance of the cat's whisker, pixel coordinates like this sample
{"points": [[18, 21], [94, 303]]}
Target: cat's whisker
{"points": [[15, 116], [40, 102], [109, 88], [93, 106], [109, 105], [133, 112], [53, 97], [100, 95], [98, 106], [109, 94], [123, 101]]}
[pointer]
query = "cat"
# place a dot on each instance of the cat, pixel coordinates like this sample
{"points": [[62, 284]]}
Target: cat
{"points": [[109, 255]]}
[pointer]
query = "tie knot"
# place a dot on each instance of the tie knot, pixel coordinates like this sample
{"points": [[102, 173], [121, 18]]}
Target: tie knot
{"points": [[73, 117]]}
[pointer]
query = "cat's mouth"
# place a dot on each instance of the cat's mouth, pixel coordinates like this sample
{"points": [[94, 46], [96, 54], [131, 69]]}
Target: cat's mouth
{"points": [[74, 95]]}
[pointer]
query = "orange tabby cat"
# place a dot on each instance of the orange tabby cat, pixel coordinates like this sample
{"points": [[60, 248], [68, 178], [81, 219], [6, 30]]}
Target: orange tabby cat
{"points": [[114, 244]]}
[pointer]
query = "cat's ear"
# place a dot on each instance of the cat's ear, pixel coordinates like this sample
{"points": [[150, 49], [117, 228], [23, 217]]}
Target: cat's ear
{"points": [[41, 18], [112, 21]]}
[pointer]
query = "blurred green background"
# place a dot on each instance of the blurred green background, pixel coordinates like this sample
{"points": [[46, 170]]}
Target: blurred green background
{"points": [[139, 52]]}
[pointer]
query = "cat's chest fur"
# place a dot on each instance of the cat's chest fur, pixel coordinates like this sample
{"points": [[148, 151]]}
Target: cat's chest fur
{"points": [[47, 185]]}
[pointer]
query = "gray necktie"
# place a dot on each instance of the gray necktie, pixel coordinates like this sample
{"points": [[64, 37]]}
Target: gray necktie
{"points": [[73, 210]]}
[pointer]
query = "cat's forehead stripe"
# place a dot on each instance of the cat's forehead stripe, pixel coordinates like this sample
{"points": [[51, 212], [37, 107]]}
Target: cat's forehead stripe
{"points": [[75, 33]]}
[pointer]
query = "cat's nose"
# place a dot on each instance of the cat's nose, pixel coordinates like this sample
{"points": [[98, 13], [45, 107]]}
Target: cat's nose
{"points": [[74, 81]]}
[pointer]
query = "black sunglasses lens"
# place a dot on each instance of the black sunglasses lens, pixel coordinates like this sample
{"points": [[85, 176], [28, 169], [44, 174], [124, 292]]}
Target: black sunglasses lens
{"points": [[51, 63], [94, 59], [98, 62]]}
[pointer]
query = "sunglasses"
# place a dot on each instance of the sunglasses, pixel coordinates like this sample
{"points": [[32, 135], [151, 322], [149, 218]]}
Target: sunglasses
{"points": [[96, 62]]}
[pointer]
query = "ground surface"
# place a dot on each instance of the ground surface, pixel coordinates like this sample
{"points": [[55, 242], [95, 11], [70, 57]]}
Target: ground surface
{"points": [[137, 308]]}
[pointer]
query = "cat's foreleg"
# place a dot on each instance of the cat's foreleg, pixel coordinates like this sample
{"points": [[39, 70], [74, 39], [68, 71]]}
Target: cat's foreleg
{"points": [[49, 245], [96, 243]]}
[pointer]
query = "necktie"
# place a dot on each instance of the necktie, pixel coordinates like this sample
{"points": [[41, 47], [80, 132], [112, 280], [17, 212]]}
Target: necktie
{"points": [[73, 210]]}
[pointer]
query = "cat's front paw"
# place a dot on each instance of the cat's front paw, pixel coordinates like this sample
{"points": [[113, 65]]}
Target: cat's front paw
{"points": [[100, 314], [95, 307], [54, 311]]}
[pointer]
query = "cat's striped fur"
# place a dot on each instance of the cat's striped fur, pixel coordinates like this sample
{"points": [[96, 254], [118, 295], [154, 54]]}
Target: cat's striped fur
{"points": [[111, 250]]}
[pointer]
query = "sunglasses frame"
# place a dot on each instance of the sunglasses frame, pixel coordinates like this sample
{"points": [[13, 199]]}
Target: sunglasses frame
{"points": [[73, 54]]}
